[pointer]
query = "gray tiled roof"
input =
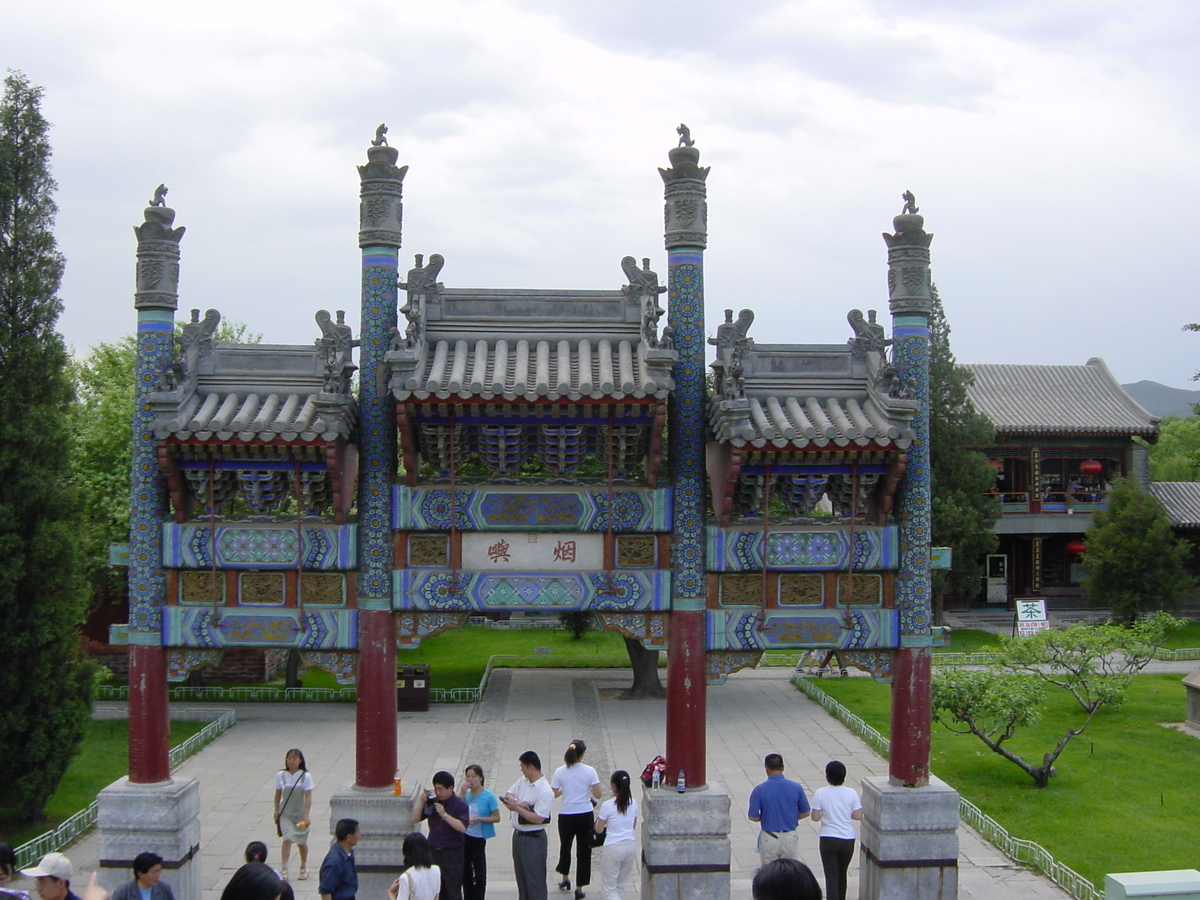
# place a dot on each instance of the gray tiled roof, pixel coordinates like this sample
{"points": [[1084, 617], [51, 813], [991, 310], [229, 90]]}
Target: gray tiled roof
{"points": [[527, 369], [1028, 399], [530, 345], [248, 391], [1182, 501], [811, 396]]}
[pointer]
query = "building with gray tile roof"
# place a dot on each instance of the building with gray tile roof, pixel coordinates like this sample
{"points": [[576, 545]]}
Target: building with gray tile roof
{"points": [[1181, 499], [1062, 434]]}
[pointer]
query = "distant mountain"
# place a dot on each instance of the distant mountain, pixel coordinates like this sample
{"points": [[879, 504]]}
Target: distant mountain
{"points": [[1160, 400]]}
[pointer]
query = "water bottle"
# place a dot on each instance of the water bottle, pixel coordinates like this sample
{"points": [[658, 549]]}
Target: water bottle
{"points": [[657, 780], [681, 784]]}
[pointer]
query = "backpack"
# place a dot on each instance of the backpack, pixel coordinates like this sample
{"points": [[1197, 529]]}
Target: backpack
{"points": [[648, 773]]}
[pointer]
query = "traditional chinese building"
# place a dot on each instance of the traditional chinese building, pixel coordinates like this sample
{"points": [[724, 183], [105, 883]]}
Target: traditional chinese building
{"points": [[1062, 434], [520, 450]]}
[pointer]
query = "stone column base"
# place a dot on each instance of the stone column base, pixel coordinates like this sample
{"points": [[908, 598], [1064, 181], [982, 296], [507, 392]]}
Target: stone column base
{"points": [[909, 841], [162, 818], [685, 844], [383, 818]]}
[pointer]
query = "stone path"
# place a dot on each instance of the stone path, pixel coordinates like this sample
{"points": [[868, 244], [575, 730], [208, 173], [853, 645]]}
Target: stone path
{"points": [[542, 709]]}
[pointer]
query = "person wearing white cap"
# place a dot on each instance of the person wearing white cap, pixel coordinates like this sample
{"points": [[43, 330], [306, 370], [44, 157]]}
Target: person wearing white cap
{"points": [[53, 876]]}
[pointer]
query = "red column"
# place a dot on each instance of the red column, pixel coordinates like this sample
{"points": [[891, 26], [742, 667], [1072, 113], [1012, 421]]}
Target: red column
{"points": [[149, 715], [687, 694], [912, 716], [375, 722]]}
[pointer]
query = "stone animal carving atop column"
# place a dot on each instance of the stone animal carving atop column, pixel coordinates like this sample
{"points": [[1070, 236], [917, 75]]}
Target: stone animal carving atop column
{"points": [[160, 196], [685, 136], [910, 203], [380, 136]]}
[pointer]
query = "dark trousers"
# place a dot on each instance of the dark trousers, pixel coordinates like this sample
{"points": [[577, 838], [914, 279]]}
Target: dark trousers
{"points": [[474, 882], [835, 860], [575, 827], [450, 861]]}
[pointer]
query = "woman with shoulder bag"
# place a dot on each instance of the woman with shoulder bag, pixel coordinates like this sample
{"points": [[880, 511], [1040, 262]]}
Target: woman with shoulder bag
{"points": [[293, 805]]}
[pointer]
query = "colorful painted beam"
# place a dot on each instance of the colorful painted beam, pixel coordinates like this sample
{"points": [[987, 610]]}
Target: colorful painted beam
{"points": [[260, 545], [803, 549], [525, 509], [791, 629], [325, 629], [623, 591]]}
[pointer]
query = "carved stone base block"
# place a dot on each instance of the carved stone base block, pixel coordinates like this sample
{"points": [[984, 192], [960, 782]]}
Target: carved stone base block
{"points": [[384, 820], [685, 844], [909, 841], [161, 818]]}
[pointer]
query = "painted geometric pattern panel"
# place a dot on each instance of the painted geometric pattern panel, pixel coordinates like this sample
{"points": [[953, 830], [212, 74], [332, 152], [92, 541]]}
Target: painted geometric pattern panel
{"points": [[264, 546], [911, 357], [812, 549], [481, 591], [431, 509], [309, 629], [858, 629]]}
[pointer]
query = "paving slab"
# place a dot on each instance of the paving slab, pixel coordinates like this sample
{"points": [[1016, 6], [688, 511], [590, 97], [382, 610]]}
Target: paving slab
{"points": [[755, 713]]}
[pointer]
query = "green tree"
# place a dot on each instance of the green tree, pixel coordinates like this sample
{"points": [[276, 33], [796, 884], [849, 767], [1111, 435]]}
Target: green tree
{"points": [[1176, 454], [103, 425], [963, 511], [1135, 563], [1092, 663], [45, 680]]}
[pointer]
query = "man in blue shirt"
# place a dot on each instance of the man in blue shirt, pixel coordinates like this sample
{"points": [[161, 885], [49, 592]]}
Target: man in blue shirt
{"points": [[339, 880], [778, 805]]}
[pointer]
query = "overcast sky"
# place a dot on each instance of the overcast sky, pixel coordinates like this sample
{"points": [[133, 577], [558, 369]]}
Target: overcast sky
{"points": [[1053, 147]]}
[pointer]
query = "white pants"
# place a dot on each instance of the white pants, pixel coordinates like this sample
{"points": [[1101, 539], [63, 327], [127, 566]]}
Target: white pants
{"points": [[616, 865], [783, 845]]}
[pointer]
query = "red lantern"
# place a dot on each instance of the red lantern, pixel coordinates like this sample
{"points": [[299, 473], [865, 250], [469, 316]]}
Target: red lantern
{"points": [[1091, 467], [1076, 548]]}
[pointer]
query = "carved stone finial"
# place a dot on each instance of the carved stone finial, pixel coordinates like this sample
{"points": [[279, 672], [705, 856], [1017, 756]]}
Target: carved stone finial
{"points": [[160, 196], [910, 203], [380, 207], [685, 136], [686, 213], [334, 347], [422, 277], [643, 280], [380, 136]]}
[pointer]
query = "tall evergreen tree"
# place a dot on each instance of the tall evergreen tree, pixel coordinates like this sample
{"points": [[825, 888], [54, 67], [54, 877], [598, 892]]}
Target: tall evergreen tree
{"points": [[44, 680], [1135, 562], [963, 511]]}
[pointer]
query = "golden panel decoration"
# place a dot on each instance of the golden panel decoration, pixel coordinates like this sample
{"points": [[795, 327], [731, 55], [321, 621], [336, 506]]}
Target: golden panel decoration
{"points": [[322, 588], [260, 588], [637, 551], [866, 590], [741, 590], [197, 587], [806, 589], [428, 550]]}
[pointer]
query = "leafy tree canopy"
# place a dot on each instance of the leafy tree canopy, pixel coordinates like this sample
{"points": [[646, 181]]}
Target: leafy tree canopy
{"points": [[46, 682], [963, 511], [1176, 454], [1135, 562], [1092, 663]]}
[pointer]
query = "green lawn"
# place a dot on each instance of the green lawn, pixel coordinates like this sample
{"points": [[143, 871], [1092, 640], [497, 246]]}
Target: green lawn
{"points": [[1185, 638], [456, 659], [103, 758], [969, 640], [1122, 800]]}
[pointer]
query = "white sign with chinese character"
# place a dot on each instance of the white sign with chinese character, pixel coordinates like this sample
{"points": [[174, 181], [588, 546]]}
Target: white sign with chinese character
{"points": [[1031, 616], [521, 551]]}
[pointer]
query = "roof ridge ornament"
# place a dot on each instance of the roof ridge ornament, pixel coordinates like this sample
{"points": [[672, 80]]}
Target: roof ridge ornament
{"points": [[334, 348], [869, 335], [732, 343]]}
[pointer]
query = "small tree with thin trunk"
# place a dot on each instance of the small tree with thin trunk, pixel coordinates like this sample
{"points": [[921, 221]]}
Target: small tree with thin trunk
{"points": [[1092, 663]]}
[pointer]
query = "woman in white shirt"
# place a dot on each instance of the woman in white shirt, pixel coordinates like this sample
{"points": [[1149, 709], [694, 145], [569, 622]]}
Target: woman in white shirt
{"points": [[293, 806], [617, 820], [579, 786], [422, 880], [837, 808]]}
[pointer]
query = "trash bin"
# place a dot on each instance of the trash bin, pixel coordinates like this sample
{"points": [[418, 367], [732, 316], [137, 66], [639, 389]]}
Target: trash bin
{"points": [[412, 689]]}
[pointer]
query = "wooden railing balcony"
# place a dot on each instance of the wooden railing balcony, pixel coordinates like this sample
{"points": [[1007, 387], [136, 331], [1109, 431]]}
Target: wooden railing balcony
{"points": [[1016, 502]]}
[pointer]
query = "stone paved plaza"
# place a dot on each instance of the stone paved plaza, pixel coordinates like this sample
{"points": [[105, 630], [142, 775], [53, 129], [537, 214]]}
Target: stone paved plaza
{"points": [[543, 709]]}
